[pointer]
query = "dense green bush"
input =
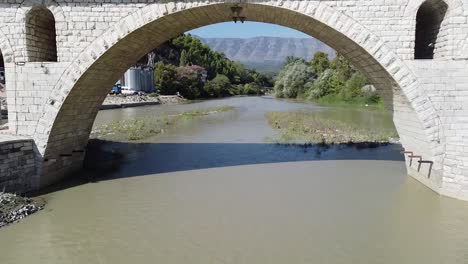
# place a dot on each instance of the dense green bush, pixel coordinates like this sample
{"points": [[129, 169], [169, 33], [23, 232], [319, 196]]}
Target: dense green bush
{"points": [[218, 87], [189, 82], [320, 62], [294, 79], [165, 76], [324, 81], [252, 89]]}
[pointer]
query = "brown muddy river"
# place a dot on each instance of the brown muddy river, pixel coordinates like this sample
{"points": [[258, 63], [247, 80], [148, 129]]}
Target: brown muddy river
{"points": [[212, 190]]}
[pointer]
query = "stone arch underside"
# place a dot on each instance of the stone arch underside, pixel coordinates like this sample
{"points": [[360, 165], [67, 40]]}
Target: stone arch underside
{"points": [[63, 131]]}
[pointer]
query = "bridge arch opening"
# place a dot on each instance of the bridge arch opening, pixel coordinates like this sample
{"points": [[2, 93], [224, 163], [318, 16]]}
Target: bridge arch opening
{"points": [[66, 132], [41, 43], [429, 20]]}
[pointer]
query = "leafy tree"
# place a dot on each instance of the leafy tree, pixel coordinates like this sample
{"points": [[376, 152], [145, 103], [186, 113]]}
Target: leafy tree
{"points": [[218, 87], [292, 59], [320, 62], [342, 66], [354, 85], [188, 82], [321, 86], [252, 89], [183, 58], [165, 76], [294, 79]]}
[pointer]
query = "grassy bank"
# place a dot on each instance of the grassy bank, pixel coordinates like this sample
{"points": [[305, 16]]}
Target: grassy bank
{"points": [[137, 129], [357, 102], [301, 127]]}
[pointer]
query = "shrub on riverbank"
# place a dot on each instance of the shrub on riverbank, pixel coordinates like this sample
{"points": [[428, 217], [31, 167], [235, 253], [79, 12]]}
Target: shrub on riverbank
{"points": [[294, 79], [336, 100], [137, 129], [324, 81], [301, 127]]}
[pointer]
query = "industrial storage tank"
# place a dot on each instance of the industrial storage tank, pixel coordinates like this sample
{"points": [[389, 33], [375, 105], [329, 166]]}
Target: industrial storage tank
{"points": [[138, 79]]}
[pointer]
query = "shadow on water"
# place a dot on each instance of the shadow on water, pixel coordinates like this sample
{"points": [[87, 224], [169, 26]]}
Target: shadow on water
{"points": [[108, 160]]}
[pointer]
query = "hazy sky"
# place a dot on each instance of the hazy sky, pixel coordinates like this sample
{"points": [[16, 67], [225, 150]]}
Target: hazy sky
{"points": [[246, 30]]}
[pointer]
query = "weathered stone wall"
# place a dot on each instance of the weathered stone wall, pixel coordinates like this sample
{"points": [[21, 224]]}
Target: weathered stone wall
{"points": [[447, 85], [17, 164]]}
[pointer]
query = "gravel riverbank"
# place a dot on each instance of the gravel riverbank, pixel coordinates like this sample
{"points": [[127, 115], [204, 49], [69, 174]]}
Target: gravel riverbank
{"points": [[13, 208], [122, 101]]}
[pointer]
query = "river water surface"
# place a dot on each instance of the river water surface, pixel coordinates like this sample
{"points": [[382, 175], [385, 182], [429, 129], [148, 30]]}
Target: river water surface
{"points": [[212, 190]]}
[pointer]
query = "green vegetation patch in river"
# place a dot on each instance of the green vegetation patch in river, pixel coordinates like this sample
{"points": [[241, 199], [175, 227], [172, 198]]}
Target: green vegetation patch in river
{"points": [[140, 128], [307, 127]]}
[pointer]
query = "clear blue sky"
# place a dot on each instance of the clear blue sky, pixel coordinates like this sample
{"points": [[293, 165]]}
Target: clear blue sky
{"points": [[246, 30]]}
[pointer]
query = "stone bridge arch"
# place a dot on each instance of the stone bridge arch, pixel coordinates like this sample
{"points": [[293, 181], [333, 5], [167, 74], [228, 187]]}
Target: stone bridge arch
{"points": [[63, 130]]}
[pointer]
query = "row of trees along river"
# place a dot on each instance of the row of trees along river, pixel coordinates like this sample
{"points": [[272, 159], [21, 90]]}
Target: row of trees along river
{"points": [[188, 66]]}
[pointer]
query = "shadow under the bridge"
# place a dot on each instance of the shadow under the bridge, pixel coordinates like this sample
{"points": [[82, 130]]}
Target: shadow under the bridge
{"points": [[107, 160]]}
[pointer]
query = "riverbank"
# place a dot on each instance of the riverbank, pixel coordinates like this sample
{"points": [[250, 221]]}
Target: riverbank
{"points": [[141, 128], [357, 102], [13, 208], [312, 128]]}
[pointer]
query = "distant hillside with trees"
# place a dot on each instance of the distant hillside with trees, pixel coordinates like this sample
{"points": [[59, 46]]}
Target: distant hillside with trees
{"points": [[188, 66], [267, 54], [324, 81]]}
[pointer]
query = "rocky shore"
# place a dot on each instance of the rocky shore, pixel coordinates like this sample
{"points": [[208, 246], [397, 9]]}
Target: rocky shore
{"points": [[122, 101], [13, 208]]}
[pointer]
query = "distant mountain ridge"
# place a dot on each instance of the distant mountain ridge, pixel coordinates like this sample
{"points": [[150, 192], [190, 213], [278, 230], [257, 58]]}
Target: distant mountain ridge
{"points": [[267, 53]]}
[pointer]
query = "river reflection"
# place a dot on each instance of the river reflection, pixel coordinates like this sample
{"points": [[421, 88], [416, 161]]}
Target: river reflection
{"points": [[212, 191]]}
